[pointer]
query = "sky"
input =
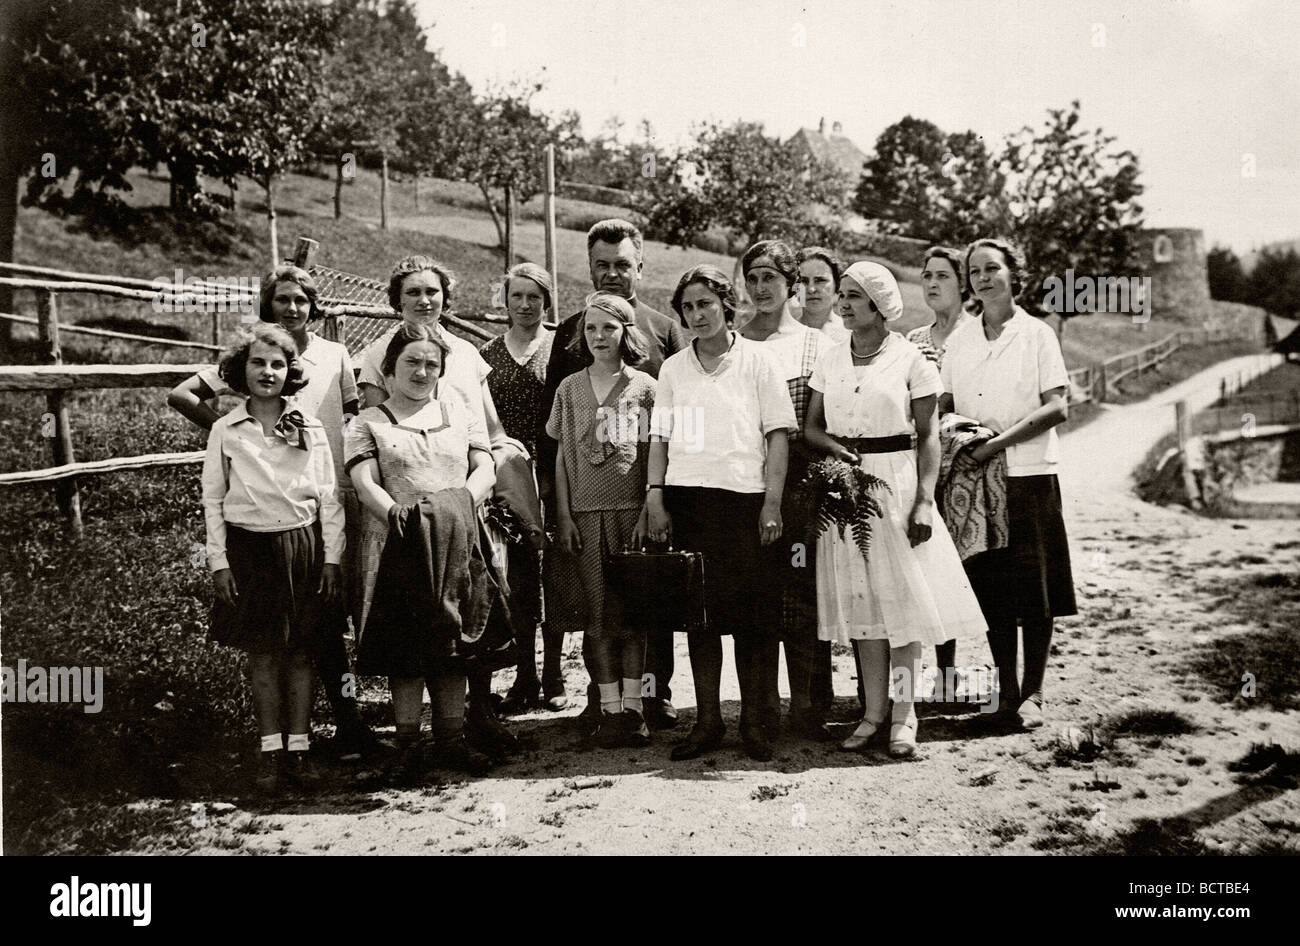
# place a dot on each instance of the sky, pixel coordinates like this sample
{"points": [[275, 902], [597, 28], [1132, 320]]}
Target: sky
{"points": [[1207, 94]]}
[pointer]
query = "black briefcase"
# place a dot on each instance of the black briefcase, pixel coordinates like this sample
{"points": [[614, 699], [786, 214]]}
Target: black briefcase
{"points": [[657, 589]]}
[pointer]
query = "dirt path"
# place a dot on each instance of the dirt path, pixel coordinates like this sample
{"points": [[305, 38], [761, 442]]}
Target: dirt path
{"points": [[1151, 585]]}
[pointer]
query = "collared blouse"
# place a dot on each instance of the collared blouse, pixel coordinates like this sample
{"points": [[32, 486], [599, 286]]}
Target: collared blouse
{"points": [[268, 484]]}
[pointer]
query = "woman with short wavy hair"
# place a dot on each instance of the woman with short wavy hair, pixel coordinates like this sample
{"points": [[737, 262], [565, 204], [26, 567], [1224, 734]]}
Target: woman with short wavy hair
{"points": [[716, 474]]}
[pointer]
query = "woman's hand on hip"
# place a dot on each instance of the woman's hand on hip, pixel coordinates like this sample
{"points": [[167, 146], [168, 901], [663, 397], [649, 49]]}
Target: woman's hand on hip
{"points": [[918, 522], [769, 522]]}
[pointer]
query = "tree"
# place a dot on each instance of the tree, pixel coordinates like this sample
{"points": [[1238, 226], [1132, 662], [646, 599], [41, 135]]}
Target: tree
{"points": [[1070, 201], [276, 49], [923, 182], [1227, 281], [506, 153], [208, 87], [386, 93], [69, 66], [441, 113], [736, 177], [1275, 282]]}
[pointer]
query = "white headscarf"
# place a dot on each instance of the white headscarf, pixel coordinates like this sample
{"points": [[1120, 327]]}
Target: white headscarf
{"points": [[879, 285]]}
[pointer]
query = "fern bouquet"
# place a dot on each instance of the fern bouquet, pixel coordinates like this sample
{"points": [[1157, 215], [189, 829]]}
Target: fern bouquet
{"points": [[836, 493]]}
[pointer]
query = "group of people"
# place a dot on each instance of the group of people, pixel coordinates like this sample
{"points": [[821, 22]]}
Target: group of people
{"points": [[330, 495]]}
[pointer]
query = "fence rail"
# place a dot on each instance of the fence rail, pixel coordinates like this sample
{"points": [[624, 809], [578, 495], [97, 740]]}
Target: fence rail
{"points": [[1096, 382]]}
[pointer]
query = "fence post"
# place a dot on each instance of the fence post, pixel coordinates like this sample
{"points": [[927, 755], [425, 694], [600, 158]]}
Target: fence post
{"points": [[304, 253], [510, 226], [551, 264], [1183, 426], [383, 190], [65, 491]]}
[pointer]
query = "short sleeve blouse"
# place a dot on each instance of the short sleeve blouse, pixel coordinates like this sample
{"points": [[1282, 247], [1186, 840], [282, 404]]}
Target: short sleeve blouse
{"points": [[605, 445], [421, 454], [874, 400], [999, 381]]}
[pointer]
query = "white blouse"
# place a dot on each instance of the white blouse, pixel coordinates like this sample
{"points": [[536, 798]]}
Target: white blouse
{"points": [[716, 422], [874, 400], [999, 382]]}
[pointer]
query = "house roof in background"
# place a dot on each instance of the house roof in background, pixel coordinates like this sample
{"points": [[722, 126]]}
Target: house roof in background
{"points": [[837, 150]]}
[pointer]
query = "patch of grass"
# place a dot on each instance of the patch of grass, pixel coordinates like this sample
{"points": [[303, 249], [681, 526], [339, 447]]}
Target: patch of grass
{"points": [[1081, 746], [1266, 658], [99, 829], [1154, 837], [1151, 722], [1268, 764], [1008, 829], [769, 792], [1063, 833]]}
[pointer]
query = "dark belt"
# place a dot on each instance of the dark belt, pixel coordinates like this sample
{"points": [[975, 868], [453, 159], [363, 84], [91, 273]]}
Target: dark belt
{"points": [[877, 444]]}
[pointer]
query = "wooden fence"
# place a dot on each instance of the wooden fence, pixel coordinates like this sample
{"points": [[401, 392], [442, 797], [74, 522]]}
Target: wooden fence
{"points": [[1097, 382], [352, 305]]}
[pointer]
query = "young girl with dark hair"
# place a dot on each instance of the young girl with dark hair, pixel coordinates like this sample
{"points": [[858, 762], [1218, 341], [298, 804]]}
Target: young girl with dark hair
{"points": [[274, 541]]}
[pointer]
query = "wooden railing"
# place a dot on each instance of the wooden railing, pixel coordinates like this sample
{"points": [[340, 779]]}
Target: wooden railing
{"points": [[1097, 382], [56, 379]]}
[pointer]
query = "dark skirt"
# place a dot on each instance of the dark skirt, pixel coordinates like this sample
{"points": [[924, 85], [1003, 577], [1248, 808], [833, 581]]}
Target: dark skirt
{"points": [[278, 608], [1031, 578], [741, 596]]}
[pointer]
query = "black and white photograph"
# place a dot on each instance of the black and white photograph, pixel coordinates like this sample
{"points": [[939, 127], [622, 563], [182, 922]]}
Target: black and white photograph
{"points": [[597, 427]]}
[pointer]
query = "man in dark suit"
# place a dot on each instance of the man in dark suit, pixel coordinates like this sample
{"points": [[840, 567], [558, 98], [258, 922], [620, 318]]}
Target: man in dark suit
{"points": [[614, 256]]}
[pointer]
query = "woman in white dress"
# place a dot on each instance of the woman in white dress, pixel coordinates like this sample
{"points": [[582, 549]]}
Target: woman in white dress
{"points": [[872, 397]]}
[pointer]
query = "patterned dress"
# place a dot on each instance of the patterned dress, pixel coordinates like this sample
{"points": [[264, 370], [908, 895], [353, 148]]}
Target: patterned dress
{"points": [[605, 449], [517, 387], [426, 452]]}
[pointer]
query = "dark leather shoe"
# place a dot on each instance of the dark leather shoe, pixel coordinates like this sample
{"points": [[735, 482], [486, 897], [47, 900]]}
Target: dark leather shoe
{"points": [[460, 756], [697, 743], [267, 776], [487, 735], [609, 734], [354, 742], [660, 714], [520, 700], [589, 719], [756, 742], [636, 734], [810, 725], [300, 771]]}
